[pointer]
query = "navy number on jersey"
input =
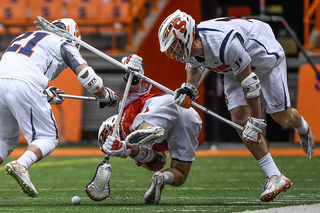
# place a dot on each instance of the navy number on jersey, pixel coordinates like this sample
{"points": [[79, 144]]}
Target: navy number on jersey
{"points": [[32, 38]]}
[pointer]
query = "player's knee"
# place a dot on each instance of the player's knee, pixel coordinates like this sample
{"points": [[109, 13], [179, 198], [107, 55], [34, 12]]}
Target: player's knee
{"points": [[178, 182], [7, 145], [46, 145]]}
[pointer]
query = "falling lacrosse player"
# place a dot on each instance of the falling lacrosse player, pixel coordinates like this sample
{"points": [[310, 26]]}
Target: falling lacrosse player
{"points": [[150, 125], [30, 62]]}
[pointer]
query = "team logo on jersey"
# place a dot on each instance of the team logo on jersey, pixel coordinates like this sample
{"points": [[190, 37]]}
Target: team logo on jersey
{"points": [[221, 68]]}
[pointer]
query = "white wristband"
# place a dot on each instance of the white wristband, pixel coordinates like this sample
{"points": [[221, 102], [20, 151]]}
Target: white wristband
{"points": [[90, 80], [192, 88]]}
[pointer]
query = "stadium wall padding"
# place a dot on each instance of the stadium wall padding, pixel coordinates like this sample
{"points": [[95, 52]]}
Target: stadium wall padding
{"points": [[68, 114], [308, 100]]}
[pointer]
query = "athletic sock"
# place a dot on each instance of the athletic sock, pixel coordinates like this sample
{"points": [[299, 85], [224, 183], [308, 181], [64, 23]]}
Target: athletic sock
{"points": [[303, 129], [268, 166], [168, 177], [27, 159]]}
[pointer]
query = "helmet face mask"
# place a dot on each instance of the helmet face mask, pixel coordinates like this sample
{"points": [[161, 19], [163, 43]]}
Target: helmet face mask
{"points": [[176, 50], [176, 35], [71, 26], [106, 129]]}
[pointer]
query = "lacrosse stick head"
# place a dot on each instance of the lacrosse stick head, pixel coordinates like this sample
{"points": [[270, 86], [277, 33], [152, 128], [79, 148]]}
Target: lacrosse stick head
{"points": [[60, 30], [106, 129], [98, 188], [176, 35], [71, 26]]}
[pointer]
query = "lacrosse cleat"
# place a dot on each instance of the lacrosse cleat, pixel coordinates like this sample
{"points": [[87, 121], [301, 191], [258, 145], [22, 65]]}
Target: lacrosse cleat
{"points": [[273, 186], [307, 143], [142, 136], [21, 175], [153, 194]]}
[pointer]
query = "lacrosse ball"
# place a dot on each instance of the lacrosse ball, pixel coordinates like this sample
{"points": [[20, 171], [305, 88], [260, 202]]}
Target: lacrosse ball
{"points": [[76, 200]]}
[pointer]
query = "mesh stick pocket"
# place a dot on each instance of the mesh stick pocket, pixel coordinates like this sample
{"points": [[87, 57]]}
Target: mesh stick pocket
{"points": [[98, 189]]}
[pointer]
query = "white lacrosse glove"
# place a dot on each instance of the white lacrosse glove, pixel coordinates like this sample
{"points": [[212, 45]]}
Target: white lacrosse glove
{"points": [[185, 95], [116, 148], [133, 62], [53, 95], [253, 130], [111, 99]]}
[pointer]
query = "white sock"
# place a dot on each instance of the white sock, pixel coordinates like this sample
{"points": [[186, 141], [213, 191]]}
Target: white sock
{"points": [[268, 166], [27, 159], [303, 129], [168, 177]]}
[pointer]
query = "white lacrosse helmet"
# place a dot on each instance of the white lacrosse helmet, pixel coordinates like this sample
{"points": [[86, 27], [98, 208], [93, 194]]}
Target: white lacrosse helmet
{"points": [[69, 25], [106, 129], [176, 35]]}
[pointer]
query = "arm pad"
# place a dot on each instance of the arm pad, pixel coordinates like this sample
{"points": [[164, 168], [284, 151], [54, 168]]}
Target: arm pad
{"points": [[90, 80], [251, 86]]}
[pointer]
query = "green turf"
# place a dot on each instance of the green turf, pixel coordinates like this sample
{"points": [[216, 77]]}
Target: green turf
{"points": [[215, 184]]}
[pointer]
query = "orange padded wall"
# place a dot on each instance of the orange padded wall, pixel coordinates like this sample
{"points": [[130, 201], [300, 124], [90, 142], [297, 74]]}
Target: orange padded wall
{"points": [[68, 114], [308, 100]]}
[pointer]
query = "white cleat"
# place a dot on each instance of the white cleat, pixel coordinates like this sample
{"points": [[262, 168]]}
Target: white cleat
{"points": [[21, 175], [153, 194], [142, 136], [307, 143], [273, 186]]}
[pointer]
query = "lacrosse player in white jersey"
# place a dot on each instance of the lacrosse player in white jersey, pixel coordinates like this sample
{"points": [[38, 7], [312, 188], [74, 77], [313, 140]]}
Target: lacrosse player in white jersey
{"points": [[150, 125], [30, 62], [254, 68]]}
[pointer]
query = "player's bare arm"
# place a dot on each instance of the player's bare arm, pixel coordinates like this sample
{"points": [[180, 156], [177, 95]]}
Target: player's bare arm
{"points": [[194, 75]]}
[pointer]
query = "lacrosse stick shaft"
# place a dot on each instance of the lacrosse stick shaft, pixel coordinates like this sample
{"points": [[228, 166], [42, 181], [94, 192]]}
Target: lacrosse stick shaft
{"points": [[122, 105], [167, 90], [78, 97], [44, 24], [101, 54], [163, 88]]}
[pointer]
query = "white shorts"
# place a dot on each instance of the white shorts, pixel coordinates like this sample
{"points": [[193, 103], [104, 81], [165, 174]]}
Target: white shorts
{"points": [[182, 126], [24, 106], [274, 90]]}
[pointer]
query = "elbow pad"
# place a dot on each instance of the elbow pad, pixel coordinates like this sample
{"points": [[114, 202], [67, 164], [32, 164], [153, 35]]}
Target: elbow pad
{"points": [[251, 86], [90, 80]]}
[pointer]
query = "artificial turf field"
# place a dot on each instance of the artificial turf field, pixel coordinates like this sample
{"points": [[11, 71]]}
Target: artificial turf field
{"points": [[215, 184]]}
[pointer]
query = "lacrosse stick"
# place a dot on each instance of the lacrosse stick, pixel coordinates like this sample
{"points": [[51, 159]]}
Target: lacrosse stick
{"points": [[45, 25], [98, 188], [78, 97], [121, 106]]}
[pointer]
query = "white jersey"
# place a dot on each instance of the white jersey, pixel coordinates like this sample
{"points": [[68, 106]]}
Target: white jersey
{"points": [[230, 44], [30, 62], [35, 57], [182, 126]]}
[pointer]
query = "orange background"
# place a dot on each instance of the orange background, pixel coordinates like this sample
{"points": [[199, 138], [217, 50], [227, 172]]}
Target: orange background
{"points": [[68, 114], [308, 100]]}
